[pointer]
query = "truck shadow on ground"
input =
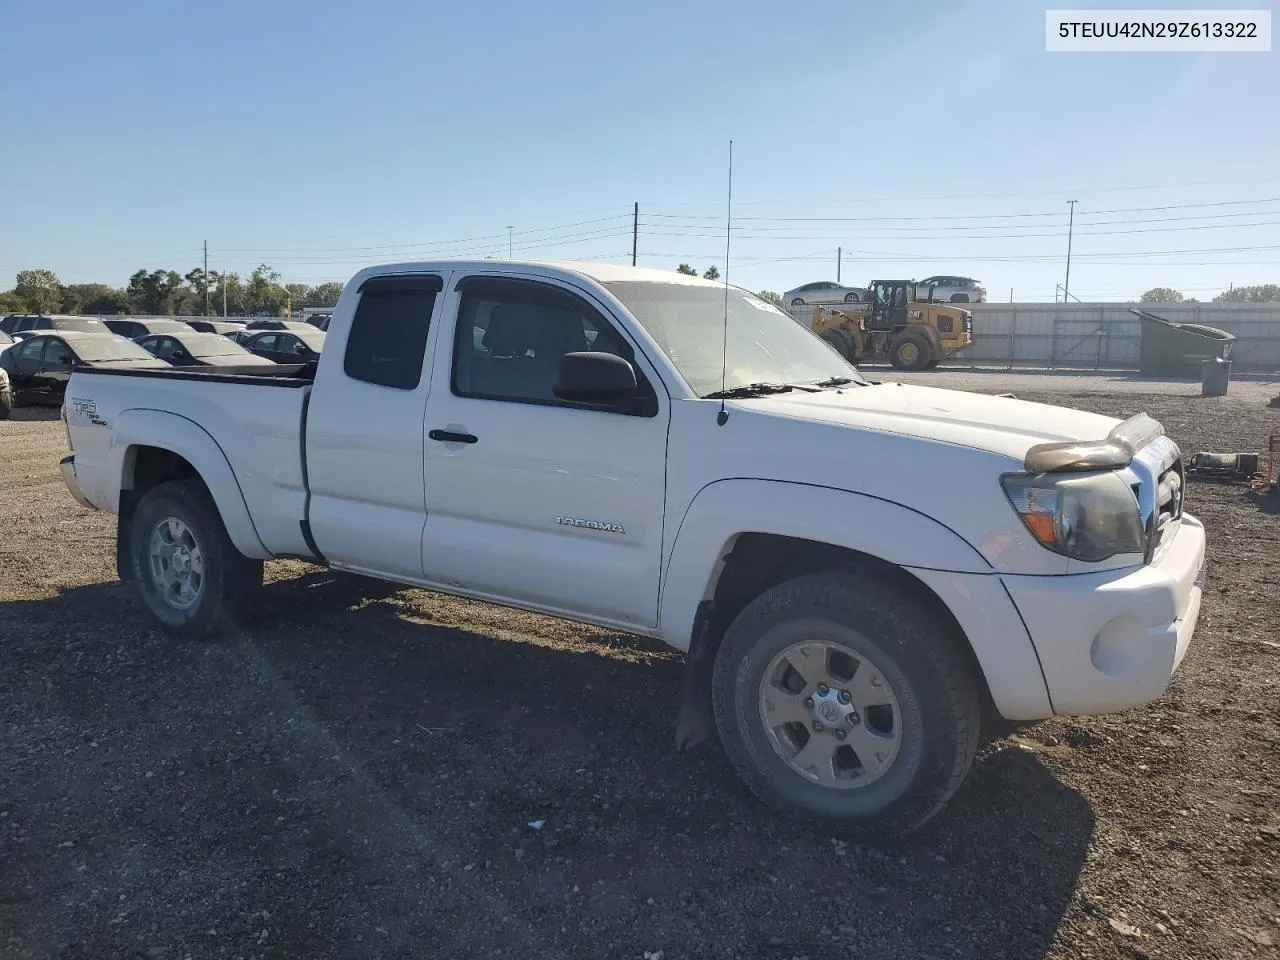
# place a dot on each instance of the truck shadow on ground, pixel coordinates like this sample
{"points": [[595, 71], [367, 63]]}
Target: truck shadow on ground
{"points": [[354, 779]]}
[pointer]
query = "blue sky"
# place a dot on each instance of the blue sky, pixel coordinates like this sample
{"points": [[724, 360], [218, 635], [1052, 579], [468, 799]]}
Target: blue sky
{"points": [[923, 138]]}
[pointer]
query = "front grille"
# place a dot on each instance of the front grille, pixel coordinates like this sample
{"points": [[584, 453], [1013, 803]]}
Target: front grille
{"points": [[1159, 484], [1170, 494]]}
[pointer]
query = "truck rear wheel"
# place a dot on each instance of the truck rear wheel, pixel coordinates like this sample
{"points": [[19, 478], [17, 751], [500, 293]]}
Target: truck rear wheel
{"points": [[847, 703], [6, 405], [189, 574], [910, 351]]}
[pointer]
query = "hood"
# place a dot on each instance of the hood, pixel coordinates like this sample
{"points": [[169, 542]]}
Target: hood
{"points": [[130, 364], [237, 360], [996, 424]]}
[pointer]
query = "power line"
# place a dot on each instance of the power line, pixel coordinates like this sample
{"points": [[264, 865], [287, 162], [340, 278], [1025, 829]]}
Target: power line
{"points": [[426, 243], [988, 236], [987, 216]]}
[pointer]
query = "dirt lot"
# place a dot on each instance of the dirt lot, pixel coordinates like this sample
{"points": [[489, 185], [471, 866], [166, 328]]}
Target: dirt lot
{"points": [[357, 777]]}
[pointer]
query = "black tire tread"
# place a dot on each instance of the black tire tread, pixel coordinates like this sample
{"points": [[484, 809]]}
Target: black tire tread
{"points": [[920, 340], [236, 580], [891, 614]]}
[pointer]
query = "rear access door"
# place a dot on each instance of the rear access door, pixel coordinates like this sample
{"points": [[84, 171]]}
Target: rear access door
{"points": [[364, 429]]}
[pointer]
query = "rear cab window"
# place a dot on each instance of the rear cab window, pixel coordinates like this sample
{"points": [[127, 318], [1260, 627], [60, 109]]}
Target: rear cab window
{"points": [[387, 343]]}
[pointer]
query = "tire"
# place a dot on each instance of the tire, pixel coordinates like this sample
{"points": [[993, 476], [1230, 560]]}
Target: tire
{"points": [[914, 652], [840, 341], [850, 298], [6, 405], [959, 298], [225, 590], [933, 361], [910, 351], [797, 302]]}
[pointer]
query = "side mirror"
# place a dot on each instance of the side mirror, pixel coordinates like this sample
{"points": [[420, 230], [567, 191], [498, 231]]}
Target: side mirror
{"points": [[596, 378]]}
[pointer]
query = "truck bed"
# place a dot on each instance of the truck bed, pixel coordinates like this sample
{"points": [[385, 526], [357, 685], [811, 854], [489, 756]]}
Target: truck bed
{"points": [[249, 422]]}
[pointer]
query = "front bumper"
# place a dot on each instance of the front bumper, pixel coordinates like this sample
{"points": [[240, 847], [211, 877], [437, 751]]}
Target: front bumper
{"points": [[1111, 641], [67, 465]]}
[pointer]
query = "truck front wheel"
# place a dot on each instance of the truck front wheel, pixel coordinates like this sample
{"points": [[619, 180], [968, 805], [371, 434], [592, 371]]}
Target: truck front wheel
{"points": [[910, 351], [189, 573], [847, 702]]}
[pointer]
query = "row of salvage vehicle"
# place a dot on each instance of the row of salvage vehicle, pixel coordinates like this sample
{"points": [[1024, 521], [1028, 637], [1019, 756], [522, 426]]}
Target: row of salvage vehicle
{"points": [[36, 358]]}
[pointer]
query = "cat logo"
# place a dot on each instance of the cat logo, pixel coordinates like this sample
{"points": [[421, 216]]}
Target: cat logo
{"points": [[600, 525]]}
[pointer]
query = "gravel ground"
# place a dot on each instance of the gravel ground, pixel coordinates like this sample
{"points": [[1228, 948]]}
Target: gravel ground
{"points": [[361, 775]]}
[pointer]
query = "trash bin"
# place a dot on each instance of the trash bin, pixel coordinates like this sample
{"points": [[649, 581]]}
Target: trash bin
{"points": [[1214, 376], [1171, 349]]}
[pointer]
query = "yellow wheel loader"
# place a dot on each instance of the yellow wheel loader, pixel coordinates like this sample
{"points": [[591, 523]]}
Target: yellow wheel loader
{"points": [[895, 326]]}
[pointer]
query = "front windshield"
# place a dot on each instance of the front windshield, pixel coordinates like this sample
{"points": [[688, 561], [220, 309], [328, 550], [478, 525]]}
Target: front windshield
{"points": [[762, 345], [211, 345], [82, 324], [109, 348]]}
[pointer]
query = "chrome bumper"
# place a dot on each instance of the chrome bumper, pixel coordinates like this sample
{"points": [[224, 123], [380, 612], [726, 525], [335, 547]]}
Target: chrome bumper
{"points": [[68, 467]]}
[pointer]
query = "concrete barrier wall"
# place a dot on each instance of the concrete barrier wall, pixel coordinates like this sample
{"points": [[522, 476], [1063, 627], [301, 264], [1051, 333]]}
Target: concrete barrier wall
{"points": [[1107, 335]]}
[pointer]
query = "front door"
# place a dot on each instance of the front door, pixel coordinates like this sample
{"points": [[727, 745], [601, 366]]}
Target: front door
{"points": [[532, 499]]}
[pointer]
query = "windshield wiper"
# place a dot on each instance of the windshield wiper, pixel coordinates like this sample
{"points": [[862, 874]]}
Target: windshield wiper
{"points": [[750, 390], [833, 382]]}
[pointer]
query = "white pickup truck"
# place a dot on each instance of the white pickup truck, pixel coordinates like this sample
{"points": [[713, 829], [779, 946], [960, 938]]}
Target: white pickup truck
{"points": [[862, 573]]}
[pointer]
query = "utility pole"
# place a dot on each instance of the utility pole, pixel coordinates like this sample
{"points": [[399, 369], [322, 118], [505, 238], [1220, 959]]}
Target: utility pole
{"points": [[509, 248], [1011, 294], [205, 278], [1071, 222], [839, 257], [224, 294], [635, 231]]}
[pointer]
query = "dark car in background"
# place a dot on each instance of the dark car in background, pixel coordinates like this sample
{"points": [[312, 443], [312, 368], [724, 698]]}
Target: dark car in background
{"points": [[28, 323], [193, 349], [40, 366], [135, 327], [10, 323], [222, 325], [270, 323], [287, 346]]}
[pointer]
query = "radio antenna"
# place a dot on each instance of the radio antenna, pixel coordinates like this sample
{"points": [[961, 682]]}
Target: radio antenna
{"points": [[723, 416]]}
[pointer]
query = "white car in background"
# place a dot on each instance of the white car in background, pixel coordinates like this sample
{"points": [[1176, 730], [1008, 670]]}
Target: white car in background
{"points": [[948, 289], [825, 292]]}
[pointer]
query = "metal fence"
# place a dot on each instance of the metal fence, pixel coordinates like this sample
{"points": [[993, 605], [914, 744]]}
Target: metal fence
{"points": [[1107, 335]]}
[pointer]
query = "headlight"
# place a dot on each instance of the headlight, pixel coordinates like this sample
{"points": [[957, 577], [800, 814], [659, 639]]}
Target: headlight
{"points": [[1084, 516]]}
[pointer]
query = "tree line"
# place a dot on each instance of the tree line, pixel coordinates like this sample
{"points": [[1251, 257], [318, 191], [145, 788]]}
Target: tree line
{"points": [[167, 293], [1258, 293]]}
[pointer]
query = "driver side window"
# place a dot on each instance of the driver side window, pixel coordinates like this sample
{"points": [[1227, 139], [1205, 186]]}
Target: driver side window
{"points": [[511, 336], [57, 354]]}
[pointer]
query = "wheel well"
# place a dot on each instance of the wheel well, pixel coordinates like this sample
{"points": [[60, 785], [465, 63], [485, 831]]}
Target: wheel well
{"points": [[144, 468], [758, 561]]}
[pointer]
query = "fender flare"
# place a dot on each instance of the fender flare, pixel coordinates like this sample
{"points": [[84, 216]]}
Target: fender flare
{"points": [[187, 439], [723, 510]]}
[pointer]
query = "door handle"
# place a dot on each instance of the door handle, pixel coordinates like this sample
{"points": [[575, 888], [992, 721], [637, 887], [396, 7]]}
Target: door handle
{"points": [[448, 436]]}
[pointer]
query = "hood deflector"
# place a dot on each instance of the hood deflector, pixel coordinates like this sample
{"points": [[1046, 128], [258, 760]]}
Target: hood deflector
{"points": [[1113, 452]]}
